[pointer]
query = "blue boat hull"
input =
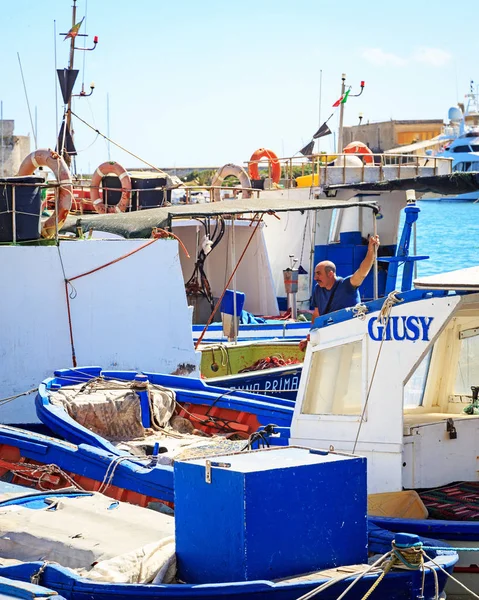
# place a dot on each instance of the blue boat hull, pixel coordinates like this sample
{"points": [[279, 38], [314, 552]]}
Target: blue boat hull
{"points": [[188, 391], [282, 382], [397, 585]]}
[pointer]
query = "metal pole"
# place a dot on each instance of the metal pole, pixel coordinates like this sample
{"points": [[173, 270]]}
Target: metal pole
{"points": [[14, 221], [320, 97], [1, 138], [68, 120], [56, 86], [375, 267], [233, 263], [339, 147], [108, 123]]}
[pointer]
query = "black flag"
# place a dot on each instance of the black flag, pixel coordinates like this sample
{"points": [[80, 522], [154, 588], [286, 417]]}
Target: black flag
{"points": [[67, 143], [322, 131], [67, 78], [308, 149]]}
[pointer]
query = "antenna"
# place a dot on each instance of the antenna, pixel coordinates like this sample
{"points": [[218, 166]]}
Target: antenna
{"points": [[320, 100], [1, 137], [28, 103], [108, 122]]}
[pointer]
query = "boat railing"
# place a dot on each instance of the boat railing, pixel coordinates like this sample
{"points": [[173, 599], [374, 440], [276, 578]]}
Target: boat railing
{"points": [[322, 170]]}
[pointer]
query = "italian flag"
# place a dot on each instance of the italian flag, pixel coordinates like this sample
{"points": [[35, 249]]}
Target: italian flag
{"points": [[342, 100]]}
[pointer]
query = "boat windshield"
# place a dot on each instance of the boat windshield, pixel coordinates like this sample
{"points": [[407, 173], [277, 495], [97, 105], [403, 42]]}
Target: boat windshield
{"points": [[468, 363], [335, 383], [415, 387]]}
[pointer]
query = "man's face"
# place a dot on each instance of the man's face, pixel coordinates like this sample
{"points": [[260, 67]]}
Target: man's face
{"points": [[322, 278]]}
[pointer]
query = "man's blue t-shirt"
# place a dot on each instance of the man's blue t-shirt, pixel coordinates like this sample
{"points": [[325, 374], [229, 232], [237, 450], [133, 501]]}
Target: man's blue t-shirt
{"points": [[345, 295]]}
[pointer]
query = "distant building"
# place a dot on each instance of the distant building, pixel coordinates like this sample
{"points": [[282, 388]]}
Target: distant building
{"points": [[385, 135], [13, 149]]}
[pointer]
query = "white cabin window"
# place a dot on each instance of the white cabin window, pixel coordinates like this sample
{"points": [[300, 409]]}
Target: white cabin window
{"points": [[467, 373], [414, 388], [334, 386]]}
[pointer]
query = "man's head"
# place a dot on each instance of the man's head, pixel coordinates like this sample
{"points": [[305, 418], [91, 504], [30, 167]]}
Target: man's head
{"points": [[325, 274]]}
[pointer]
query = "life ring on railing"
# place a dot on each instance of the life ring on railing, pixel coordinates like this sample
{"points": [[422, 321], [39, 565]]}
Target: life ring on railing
{"points": [[361, 149], [226, 171], [110, 168], [52, 160], [274, 163]]}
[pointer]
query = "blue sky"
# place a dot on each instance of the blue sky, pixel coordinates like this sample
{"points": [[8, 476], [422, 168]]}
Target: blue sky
{"points": [[206, 83]]}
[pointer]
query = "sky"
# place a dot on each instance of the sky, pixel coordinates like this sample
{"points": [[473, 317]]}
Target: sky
{"points": [[205, 83]]}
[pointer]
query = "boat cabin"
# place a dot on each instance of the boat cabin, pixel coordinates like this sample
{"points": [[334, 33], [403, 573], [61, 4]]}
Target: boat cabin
{"points": [[393, 383]]}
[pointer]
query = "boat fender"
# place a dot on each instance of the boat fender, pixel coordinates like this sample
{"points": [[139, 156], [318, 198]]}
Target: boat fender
{"points": [[226, 171], [274, 163], [110, 168], [51, 159]]}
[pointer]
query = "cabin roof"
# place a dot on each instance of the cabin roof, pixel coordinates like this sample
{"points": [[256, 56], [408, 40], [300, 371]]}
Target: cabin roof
{"points": [[452, 184], [140, 224], [461, 280]]}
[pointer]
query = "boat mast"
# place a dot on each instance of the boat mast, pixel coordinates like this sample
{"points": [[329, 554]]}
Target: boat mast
{"points": [[70, 68], [67, 78], [339, 145]]}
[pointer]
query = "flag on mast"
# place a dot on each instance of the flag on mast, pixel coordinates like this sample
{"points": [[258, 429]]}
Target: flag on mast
{"points": [[322, 131], [308, 149], [342, 100], [74, 30]]}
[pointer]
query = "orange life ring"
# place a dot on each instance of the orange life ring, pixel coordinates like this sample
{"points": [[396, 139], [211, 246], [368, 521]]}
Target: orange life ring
{"points": [[361, 149], [52, 160], [273, 161], [110, 168]]}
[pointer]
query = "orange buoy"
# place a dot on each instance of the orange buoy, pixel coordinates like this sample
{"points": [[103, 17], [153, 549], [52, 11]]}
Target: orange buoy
{"points": [[273, 161], [52, 160], [361, 149], [110, 168]]}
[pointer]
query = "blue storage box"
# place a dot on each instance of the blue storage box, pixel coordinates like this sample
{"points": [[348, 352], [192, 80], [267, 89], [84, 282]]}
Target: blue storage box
{"points": [[269, 514]]}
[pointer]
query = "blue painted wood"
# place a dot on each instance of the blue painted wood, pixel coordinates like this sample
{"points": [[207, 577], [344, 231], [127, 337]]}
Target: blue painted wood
{"points": [[281, 382], [25, 590], [397, 585], [187, 389], [92, 462], [274, 513]]}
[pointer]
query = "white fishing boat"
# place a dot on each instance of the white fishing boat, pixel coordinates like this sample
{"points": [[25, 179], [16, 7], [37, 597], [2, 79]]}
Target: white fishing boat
{"points": [[397, 382]]}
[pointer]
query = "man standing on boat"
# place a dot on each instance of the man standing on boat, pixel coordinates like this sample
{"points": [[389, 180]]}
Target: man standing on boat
{"points": [[334, 293]]}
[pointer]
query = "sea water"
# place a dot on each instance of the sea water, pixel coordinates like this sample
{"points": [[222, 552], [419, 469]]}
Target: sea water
{"points": [[447, 232]]}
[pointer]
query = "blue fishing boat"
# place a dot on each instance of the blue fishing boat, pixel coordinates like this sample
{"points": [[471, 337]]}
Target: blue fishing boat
{"points": [[155, 416], [23, 590], [85, 545]]}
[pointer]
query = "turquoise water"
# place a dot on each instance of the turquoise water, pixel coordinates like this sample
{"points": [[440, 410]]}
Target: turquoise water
{"points": [[448, 233]]}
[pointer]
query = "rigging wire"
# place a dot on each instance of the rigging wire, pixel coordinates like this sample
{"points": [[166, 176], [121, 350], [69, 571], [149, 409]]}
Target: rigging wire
{"points": [[28, 103]]}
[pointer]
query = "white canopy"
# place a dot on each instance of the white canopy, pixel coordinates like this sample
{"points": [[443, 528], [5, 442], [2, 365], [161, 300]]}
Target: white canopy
{"points": [[462, 279]]}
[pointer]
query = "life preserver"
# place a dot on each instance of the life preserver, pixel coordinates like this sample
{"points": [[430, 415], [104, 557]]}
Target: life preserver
{"points": [[110, 168], [52, 160], [361, 149], [226, 171], [275, 165]]}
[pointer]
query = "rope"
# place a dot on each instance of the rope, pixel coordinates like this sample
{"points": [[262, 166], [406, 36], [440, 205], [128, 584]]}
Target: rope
{"points": [[114, 143], [227, 284], [110, 473], [43, 470], [360, 311], [10, 398], [473, 595], [331, 582], [69, 280], [35, 577], [383, 318]]}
